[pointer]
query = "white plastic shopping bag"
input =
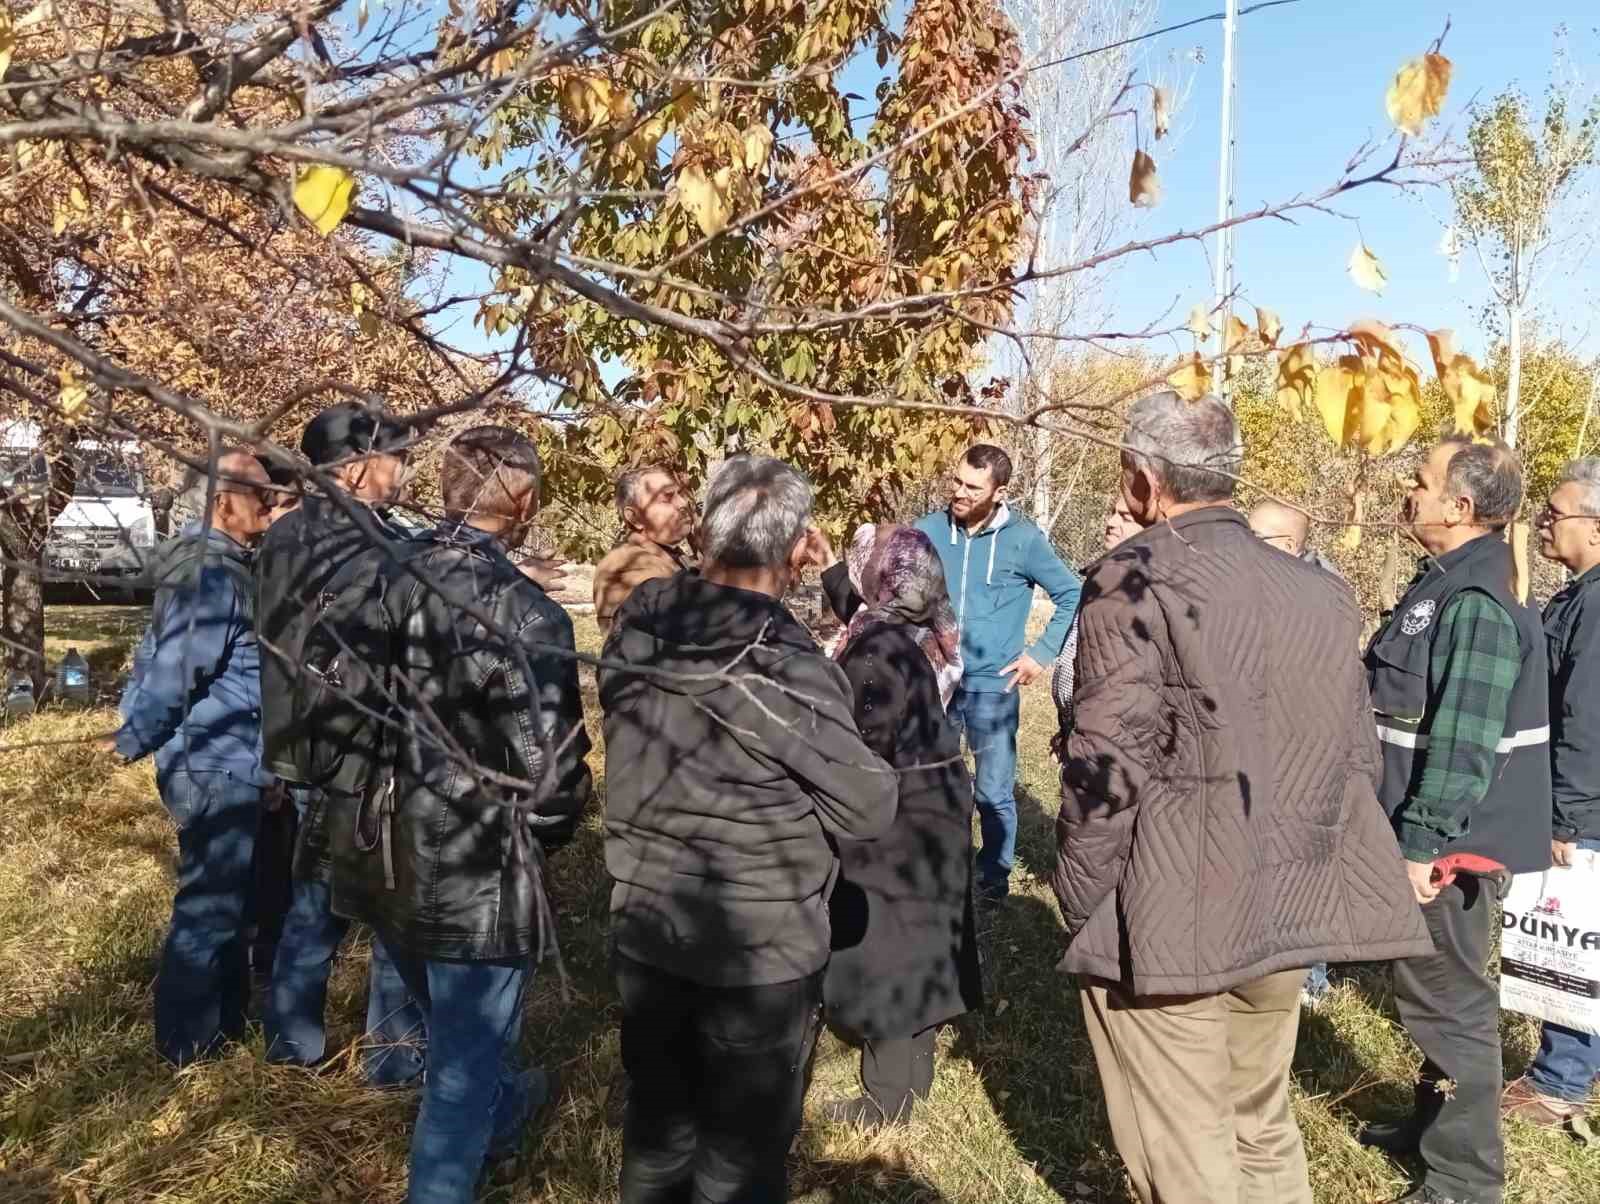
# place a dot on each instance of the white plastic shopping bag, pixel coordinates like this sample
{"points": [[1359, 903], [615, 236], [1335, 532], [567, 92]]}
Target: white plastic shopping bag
{"points": [[1550, 944]]}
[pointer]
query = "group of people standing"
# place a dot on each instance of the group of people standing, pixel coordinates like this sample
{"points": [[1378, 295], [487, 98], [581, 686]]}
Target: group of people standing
{"points": [[788, 827]]}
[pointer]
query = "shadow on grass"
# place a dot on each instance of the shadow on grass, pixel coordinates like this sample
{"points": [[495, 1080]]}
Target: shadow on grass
{"points": [[1034, 1057], [871, 1180]]}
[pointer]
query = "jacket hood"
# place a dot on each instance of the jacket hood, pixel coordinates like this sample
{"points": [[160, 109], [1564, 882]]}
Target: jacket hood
{"points": [[685, 624]]}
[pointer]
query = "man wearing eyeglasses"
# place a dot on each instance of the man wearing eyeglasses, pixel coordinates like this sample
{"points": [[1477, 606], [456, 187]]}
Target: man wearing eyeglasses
{"points": [[194, 702], [1288, 530], [1556, 1087]]}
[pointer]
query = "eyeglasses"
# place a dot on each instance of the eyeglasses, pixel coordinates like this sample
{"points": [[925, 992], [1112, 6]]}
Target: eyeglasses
{"points": [[1549, 515]]}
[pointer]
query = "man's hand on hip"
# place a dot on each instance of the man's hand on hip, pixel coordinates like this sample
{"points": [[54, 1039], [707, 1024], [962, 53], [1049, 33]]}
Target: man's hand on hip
{"points": [[1422, 883], [1023, 671], [1562, 852]]}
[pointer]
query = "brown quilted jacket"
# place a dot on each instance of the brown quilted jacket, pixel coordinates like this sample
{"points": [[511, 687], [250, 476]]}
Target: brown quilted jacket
{"points": [[1219, 818]]}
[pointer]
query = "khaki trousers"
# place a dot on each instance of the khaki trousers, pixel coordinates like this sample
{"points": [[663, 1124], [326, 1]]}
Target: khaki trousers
{"points": [[1197, 1088]]}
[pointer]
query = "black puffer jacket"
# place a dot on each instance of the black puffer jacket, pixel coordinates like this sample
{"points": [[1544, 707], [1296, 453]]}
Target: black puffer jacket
{"points": [[1572, 634], [443, 860]]}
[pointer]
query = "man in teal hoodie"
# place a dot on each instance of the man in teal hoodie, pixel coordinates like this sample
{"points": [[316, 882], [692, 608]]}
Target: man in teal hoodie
{"points": [[993, 559]]}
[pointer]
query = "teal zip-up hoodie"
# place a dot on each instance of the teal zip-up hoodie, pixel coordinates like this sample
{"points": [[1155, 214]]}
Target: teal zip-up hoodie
{"points": [[991, 577]]}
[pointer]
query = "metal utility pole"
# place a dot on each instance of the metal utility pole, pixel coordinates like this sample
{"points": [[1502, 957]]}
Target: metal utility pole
{"points": [[1225, 159]]}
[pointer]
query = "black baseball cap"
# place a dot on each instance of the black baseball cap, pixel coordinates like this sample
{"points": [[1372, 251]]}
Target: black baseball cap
{"points": [[344, 431]]}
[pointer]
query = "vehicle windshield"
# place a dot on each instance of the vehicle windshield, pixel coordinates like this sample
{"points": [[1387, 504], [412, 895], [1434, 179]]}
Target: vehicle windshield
{"points": [[105, 474], [21, 468], [100, 473]]}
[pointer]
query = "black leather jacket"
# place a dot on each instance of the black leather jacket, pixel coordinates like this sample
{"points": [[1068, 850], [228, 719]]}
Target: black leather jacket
{"points": [[443, 854], [297, 558]]}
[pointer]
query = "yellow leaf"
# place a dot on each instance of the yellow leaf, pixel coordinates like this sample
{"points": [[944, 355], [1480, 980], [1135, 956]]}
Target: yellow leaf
{"points": [[1469, 389], [703, 199], [1338, 395], [1474, 398], [59, 222], [1200, 323], [1443, 345], [1144, 186], [361, 16], [1376, 340], [1191, 380], [1365, 269], [78, 200], [757, 146], [72, 396], [1238, 332], [323, 194], [1418, 92], [1269, 326], [943, 228], [1163, 112], [1297, 379]]}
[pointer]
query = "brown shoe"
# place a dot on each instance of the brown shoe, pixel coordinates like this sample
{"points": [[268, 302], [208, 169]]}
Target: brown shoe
{"points": [[1522, 1101]]}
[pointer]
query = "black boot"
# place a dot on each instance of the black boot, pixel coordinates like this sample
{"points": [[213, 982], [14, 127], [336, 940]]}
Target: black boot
{"points": [[1392, 1137]]}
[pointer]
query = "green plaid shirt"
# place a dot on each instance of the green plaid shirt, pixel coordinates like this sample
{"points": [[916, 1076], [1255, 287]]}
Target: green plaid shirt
{"points": [[1471, 671]]}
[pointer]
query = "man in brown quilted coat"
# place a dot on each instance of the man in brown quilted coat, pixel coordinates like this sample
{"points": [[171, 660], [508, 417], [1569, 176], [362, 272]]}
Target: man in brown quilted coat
{"points": [[1219, 828]]}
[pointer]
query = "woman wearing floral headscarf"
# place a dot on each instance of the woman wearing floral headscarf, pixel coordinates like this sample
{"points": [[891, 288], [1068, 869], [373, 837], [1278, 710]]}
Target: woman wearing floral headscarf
{"points": [[905, 953]]}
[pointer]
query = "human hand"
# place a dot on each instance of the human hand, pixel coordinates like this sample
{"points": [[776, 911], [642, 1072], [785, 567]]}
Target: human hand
{"points": [[105, 744], [1023, 671], [1422, 883], [1562, 852], [547, 573]]}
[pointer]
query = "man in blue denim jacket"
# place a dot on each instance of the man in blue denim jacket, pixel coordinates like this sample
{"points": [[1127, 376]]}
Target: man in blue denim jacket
{"points": [[194, 702]]}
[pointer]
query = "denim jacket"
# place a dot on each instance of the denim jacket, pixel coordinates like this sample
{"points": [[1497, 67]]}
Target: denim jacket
{"points": [[194, 699]]}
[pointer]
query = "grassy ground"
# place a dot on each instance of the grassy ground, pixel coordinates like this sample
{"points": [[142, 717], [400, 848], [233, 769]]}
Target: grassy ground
{"points": [[88, 1113]]}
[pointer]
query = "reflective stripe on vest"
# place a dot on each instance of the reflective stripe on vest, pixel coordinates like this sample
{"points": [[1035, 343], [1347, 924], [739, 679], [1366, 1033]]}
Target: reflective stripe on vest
{"points": [[1523, 739]]}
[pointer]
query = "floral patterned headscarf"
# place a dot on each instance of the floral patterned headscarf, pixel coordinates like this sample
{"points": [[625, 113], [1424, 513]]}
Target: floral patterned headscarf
{"points": [[896, 572]]}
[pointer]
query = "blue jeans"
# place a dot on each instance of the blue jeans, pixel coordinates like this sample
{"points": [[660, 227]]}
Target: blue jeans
{"points": [[990, 722], [203, 986], [1568, 1061], [394, 1045], [1317, 980], [475, 1098]]}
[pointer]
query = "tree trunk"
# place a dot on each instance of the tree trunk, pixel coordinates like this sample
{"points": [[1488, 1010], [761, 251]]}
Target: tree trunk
{"points": [[21, 599], [1513, 371]]}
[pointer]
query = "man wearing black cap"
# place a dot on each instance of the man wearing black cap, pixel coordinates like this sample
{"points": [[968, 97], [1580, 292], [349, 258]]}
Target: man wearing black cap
{"points": [[362, 454]]}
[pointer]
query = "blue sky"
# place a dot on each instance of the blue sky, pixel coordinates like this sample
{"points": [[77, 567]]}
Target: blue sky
{"points": [[1311, 81]]}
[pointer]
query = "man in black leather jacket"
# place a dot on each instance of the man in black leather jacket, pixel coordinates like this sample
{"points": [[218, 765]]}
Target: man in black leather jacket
{"points": [[365, 455], [484, 774]]}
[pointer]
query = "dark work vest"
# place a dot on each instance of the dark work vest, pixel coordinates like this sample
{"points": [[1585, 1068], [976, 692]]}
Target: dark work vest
{"points": [[1512, 823]]}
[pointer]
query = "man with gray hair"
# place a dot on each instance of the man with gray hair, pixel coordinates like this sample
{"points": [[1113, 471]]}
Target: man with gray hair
{"points": [[657, 514], [1219, 830], [1555, 1089], [1458, 681], [733, 760]]}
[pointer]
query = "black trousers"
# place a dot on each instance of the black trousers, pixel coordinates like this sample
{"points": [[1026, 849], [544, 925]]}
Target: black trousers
{"points": [[1451, 1008], [897, 1073], [271, 866], [718, 1078]]}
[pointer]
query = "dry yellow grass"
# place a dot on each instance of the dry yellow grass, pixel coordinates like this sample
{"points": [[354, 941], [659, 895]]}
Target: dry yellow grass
{"points": [[88, 1112]]}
